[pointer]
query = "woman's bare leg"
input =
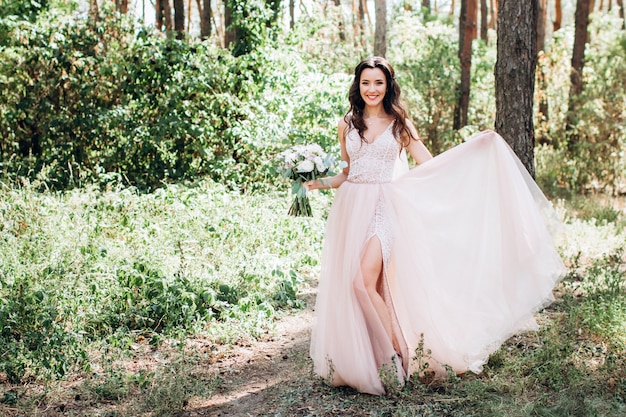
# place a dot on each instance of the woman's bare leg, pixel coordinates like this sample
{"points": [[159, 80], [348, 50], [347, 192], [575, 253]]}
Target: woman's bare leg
{"points": [[372, 270]]}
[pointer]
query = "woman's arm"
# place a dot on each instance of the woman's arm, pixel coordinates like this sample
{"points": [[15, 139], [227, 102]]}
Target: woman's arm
{"points": [[336, 180], [416, 147]]}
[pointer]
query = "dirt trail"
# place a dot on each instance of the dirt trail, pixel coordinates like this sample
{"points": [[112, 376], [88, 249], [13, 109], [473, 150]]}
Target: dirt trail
{"points": [[253, 376]]}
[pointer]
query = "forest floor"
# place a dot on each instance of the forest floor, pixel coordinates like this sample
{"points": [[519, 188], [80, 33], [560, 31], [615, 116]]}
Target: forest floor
{"points": [[273, 377], [247, 379]]}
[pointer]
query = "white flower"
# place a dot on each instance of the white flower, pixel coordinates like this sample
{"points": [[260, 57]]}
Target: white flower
{"points": [[319, 164], [290, 157], [315, 149], [305, 166]]}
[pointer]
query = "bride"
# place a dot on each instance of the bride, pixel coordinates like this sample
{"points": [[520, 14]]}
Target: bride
{"points": [[426, 270]]}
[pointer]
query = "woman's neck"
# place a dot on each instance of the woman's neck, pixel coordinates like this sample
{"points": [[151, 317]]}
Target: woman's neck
{"points": [[375, 112]]}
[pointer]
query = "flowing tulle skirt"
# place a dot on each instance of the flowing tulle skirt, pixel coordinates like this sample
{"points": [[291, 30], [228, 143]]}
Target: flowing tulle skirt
{"points": [[472, 259]]}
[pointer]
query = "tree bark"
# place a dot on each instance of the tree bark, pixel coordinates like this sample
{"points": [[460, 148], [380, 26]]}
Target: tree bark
{"points": [[163, 15], [230, 33], [581, 36], [541, 24], [179, 18], [467, 32], [515, 77], [493, 20], [121, 6], [380, 36], [361, 23], [342, 32], [189, 13], [620, 3], [204, 10], [484, 13], [558, 15], [452, 7]]}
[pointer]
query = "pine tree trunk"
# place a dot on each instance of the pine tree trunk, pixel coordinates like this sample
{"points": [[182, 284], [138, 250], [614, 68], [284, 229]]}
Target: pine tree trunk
{"points": [[380, 36], [484, 13], [581, 36], [230, 34], [620, 3], [467, 32], [163, 15], [541, 24], [515, 77], [558, 15], [204, 9], [493, 20], [121, 6], [342, 32], [361, 24], [179, 18]]}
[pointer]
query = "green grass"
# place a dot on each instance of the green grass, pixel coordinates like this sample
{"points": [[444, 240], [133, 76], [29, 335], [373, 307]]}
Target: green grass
{"points": [[91, 267], [93, 281]]}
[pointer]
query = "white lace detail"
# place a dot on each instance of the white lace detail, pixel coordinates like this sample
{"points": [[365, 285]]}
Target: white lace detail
{"points": [[381, 228], [372, 162]]}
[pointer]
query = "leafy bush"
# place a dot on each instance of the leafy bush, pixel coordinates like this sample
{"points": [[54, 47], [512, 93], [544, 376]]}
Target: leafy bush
{"points": [[91, 266], [597, 160], [33, 336], [428, 75]]}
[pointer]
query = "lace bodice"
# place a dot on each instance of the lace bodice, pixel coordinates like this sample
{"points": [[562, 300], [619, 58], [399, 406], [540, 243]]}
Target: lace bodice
{"points": [[372, 162]]}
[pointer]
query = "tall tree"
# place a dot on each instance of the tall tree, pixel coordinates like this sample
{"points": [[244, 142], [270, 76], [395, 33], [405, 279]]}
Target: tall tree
{"points": [[581, 36], [515, 77], [620, 3], [467, 32], [121, 6], [493, 20], [204, 10], [380, 36], [542, 15], [342, 33], [230, 32], [163, 15], [179, 18], [484, 13], [558, 15], [360, 24]]}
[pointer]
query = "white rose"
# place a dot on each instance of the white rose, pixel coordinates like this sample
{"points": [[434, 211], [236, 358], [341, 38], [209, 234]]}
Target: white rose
{"points": [[319, 164], [305, 166]]}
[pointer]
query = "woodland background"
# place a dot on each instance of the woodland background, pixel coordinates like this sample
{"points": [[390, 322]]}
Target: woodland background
{"points": [[143, 227]]}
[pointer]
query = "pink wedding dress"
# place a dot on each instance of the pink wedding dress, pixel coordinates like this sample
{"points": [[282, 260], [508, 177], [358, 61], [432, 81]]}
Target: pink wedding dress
{"points": [[468, 257]]}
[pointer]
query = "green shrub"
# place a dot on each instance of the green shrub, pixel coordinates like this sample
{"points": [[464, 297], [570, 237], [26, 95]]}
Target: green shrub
{"points": [[597, 160], [33, 335]]}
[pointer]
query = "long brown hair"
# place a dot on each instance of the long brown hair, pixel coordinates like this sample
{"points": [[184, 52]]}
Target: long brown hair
{"points": [[391, 102]]}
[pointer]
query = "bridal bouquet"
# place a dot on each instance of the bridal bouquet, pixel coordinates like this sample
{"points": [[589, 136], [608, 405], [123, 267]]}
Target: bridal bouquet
{"points": [[303, 163]]}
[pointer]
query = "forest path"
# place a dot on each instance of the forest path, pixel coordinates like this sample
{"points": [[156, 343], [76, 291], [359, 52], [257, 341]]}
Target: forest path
{"points": [[254, 377]]}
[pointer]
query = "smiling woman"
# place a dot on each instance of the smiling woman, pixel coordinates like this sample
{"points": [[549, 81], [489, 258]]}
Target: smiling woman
{"points": [[427, 270]]}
